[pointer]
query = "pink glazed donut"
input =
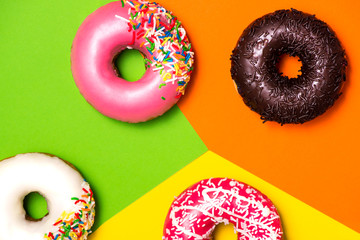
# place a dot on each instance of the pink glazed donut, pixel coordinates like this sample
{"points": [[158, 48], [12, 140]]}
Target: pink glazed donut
{"points": [[197, 211], [140, 25]]}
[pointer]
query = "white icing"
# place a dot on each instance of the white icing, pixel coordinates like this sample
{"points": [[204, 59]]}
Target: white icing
{"points": [[35, 172]]}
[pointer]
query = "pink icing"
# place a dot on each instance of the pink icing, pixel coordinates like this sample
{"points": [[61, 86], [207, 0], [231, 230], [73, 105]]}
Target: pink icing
{"points": [[102, 35], [196, 212]]}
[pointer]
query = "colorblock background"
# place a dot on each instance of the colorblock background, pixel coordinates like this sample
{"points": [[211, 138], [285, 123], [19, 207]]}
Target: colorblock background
{"points": [[42, 110], [300, 221]]}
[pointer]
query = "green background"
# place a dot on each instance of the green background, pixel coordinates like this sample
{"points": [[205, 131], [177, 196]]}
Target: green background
{"points": [[41, 110]]}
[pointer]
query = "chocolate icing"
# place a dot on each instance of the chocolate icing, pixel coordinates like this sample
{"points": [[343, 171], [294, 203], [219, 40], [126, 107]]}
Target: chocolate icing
{"points": [[274, 96]]}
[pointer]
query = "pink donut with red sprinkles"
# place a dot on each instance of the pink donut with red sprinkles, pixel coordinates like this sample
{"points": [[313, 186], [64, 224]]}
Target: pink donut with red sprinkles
{"points": [[148, 28], [196, 212]]}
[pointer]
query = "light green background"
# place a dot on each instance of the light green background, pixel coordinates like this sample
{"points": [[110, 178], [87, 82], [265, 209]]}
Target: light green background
{"points": [[41, 110], [130, 65]]}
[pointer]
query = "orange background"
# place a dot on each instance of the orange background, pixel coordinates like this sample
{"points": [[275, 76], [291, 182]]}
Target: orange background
{"points": [[316, 162]]}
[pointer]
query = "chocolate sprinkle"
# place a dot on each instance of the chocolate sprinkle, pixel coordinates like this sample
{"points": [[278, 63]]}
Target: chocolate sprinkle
{"points": [[274, 96]]}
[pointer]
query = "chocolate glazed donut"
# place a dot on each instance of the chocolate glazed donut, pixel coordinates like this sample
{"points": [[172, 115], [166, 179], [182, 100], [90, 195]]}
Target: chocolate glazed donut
{"points": [[274, 96]]}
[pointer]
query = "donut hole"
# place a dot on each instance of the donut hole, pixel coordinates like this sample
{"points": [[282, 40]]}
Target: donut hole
{"points": [[35, 206], [224, 232], [129, 65], [289, 66]]}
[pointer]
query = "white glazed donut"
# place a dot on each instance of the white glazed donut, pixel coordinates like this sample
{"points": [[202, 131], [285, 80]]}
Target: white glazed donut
{"points": [[68, 197]]}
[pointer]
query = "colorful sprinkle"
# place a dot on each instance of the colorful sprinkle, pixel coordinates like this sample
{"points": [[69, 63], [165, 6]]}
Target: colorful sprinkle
{"points": [[165, 39], [76, 225]]}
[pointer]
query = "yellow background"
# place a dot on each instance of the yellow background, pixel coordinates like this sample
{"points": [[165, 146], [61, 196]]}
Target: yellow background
{"points": [[144, 219]]}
